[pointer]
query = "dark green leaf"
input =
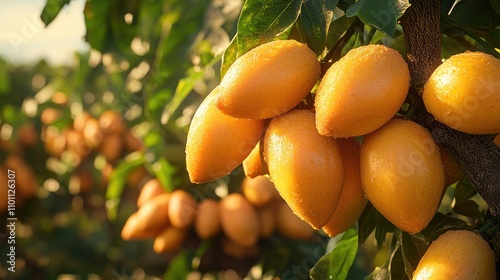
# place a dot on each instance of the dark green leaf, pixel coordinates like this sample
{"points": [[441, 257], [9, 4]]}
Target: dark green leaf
{"points": [[97, 14], [336, 29], [261, 21], [440, 224], [314, 20], [164, 171], [468, 208], [179, 267], [382, 14], [472, 13], [397, 267], [52, 9], [412, 250], [336, 264], [463, 191], [118, 179], [383, 273]]}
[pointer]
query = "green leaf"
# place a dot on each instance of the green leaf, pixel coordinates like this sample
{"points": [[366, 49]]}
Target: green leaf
{"points": [[371, 219], [381, 14], [52, 9], [314, 20], [97, 14], [261, 21], [472, 13], [336, 264], [164, 171], [440, 224], [118, 179], [412, 250], [179, 267], [468, 208], [463, 191]]}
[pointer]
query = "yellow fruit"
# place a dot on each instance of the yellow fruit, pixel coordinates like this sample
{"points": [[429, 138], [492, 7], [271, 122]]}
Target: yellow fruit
{"points": [[497, 140], [92, 133], [402, 174], [50, 115], [259, 190], [217, 143], [464, 93], [352, 198], [207, 222], [269, 80], [267, 219], [76, 143], [361, 92], [111, 122], [239, 220], [151, 217], [452, 172], [111, 147], [457, 255], [181, 209], [80, 121], [169, 240], [150, 190], [253, 165], [306, 168], [291, 226], [55, 142]]}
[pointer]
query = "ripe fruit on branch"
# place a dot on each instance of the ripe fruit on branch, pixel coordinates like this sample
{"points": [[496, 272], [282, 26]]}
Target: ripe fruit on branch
{"points": [[207, 222], [239, 220], [259, 190], [361, 92], [402, 173], [169, 240], [182, 209], [305, 167], [352, 198], [217, 143], [464, 93], [458, 255], [269, 80], [291, 226], [253, 165]]}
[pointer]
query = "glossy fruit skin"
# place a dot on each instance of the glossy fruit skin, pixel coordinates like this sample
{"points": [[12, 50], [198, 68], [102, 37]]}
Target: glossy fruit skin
{"points": [[305, 167], [496, 140], [239, 220], [269, 80], [464, 93], [457, 255], [151, 218], [207, 222], [253, 164], [402, 174], [169, 240], [352, 198], [217, 143], [361, 92]]}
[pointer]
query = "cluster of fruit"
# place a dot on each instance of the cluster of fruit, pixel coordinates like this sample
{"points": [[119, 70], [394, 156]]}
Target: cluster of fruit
{"points": [[243, 218], [264, 115], [106, 135]]}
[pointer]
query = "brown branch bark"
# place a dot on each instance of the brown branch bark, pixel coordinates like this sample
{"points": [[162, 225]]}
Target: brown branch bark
{"points": [[476, 155]]}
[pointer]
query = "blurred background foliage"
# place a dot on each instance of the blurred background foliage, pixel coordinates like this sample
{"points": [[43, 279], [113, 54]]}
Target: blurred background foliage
{"points": [[152, 62]]}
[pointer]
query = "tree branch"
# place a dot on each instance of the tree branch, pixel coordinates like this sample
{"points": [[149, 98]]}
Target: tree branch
{"points": [[476, 155]]}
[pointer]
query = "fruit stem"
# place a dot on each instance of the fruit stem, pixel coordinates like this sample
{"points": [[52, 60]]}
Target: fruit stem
{"points": [[476, 155]]}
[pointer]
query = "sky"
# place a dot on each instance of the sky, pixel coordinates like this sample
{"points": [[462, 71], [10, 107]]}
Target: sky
{"points": [[25, 40]]}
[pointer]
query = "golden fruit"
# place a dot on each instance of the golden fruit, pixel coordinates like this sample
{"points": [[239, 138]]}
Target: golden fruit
{"points": [[80, 121], [496, 140], [452, 172], [239, 220], [207, 222], [135, 177], [92, 133], [267, 218], [238, 251], [111, 147], [464, 93], [259, 190], [50, 115], [181, 209], [26, 184], [150, 190], [76, 143], [352, 198], [253, 165], [217, 143], [457, 255], [291, 226], [402, 174], [169, 240], [361, 92], [55, 142], [150, 218], [306, 167], [269, 80], [111, 123]]}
